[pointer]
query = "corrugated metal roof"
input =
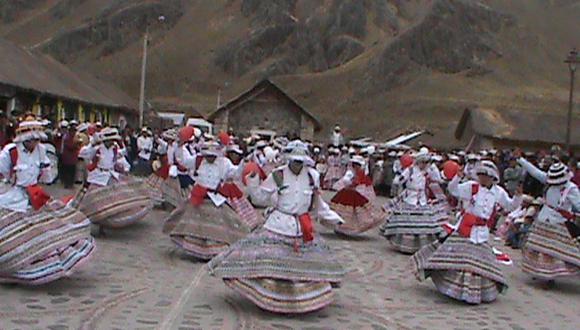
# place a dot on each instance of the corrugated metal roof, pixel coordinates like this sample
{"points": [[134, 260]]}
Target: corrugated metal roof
{"points": [[27, 70]]}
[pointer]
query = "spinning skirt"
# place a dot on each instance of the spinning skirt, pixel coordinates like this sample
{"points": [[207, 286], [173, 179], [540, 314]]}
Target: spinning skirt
{"points": [[460, 269], [280, 273], [41, 246], [408, 227], [550, 251], [206, 230], [117, 205]]}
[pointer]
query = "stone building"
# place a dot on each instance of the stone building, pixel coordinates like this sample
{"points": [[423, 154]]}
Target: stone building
{"points": [[31, 82], [507, 128], [265, 106]]}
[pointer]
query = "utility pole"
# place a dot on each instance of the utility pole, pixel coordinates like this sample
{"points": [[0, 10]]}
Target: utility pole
{"points": [[143, 75], [572, 60]]}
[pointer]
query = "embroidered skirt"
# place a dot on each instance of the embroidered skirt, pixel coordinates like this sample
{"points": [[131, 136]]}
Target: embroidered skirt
{"points": [[358, 212], [117, 205], [39, 247], [166, 190], [206, 230], [408, 227], [460, 269], [550, 251], [280, 273]]}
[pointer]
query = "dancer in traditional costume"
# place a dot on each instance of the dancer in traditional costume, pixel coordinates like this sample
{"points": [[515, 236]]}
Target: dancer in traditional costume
{"points": [[184, 156], [112, 199], [284, 267], [41, 239], [552, 249], [334, 168], [164, 184], [217, 213], [463, 265], [355, 201], [413, 220]]}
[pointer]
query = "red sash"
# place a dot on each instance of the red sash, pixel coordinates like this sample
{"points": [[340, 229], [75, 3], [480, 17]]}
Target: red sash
{"points": [[230, 190], [198, 194], [469, 220], [163, 171], [37, 196], [307, 227]]}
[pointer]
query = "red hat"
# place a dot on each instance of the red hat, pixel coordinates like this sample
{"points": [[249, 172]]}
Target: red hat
{"points": [[186, 134]]}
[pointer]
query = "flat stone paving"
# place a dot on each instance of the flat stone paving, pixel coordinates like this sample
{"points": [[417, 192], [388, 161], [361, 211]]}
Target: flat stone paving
{"points": [[137, 279]]}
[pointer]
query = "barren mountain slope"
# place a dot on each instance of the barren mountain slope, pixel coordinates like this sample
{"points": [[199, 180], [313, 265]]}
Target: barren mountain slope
{"points": [[391, 64]]}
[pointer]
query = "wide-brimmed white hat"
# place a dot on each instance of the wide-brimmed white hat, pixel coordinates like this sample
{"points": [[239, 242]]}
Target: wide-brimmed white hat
{"points": [[235, 149], [109, 134], [30, 129], [423, 155], [358, 160], [211, 148], [558, 174], [472, 157], [170, 135], [488, 168], [83, 127], [298, 151]]}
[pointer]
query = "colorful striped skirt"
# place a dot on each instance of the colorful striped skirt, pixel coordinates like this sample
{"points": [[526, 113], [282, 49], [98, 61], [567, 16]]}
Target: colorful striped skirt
{"points": [[166, 191], [460, 269], [117, 205], [280, 273], [359, 213], [408, 227], [550, 252], [39, 247], [205, 231]]}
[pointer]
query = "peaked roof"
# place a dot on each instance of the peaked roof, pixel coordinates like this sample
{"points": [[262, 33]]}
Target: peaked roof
{"points": [[519, 125], [256, 90], [41, 74]]}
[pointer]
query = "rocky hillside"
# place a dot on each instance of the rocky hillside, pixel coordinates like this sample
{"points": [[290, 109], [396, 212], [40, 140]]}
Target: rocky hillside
{"points": [[375, 66]]}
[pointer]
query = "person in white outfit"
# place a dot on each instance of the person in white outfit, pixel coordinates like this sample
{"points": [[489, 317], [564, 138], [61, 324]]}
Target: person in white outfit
{"points": [[463, 265], [289, 268], [144, 152], [552, 249]]}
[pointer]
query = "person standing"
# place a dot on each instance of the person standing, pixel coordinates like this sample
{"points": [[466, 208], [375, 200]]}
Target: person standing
{"points": [[575, 171], [69, 157], [336, 139], [145, 149], [513, 176]]}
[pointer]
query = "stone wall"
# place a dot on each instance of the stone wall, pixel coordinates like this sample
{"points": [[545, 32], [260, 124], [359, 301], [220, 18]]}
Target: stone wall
{"points": [[268, 110]]}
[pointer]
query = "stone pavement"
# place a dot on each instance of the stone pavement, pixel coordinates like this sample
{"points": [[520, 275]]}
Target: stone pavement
{"points": [[138, 280]]}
